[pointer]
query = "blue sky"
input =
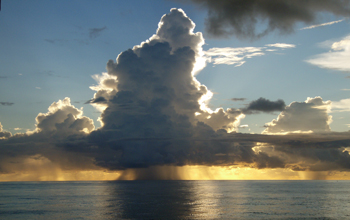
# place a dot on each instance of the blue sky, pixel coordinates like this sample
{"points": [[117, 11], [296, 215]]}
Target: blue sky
{"points": [[47, 54]]}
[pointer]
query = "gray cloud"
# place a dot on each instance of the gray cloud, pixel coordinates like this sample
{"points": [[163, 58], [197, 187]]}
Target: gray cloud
{"points": [[265, 105], [7, 103], [100, 99], [242, 18], [95, 32], [238, 99]]}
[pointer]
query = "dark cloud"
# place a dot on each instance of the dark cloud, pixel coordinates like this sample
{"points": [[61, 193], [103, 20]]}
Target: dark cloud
{"points": [[3, 77], [7, 103], [97, 100], [95, 32], [242, 18], [265, 105], [238, 99]]}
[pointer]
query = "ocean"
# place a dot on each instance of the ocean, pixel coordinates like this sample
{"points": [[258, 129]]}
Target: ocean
{"points": [[176, 200]]}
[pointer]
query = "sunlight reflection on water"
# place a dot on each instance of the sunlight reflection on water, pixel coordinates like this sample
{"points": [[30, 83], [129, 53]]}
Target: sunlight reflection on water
{"points": [[175, 200]]}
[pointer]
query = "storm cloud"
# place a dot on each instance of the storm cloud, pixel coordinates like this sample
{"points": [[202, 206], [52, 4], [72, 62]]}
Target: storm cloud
{"points": [[252, 19]]}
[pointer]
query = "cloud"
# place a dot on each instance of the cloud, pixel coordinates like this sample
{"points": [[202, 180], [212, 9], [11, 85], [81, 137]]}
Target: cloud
{"points": [[4, 134], [3, 77], [309, 116], [91, 34], [232, 56], [95, 32], [265, 105], [51, 73], [281, 45], [63, 119], [243, 18], [341, 106], [238, 99], [237, 56], [57, 41], [321, 25], [337, 58], [7, 103]]}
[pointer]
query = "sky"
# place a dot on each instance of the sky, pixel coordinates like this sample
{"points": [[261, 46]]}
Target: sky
{"points": [[174, 89]]}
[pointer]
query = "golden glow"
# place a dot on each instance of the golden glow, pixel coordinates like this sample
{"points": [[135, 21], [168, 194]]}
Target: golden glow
{"points": [[188, 172], [288, 132], [40, 168], [60, 175]]}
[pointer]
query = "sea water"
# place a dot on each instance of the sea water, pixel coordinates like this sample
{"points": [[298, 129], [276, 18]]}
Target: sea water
{"points": [[176, 200]]}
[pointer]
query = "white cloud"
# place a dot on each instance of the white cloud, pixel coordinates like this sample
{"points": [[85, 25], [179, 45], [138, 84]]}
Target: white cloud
{"points": [[341, 106], [237, 56], [232, 56], [281, 45], [337, 58], [4, 134], [302, 117], [63, 119], [320, 25]]}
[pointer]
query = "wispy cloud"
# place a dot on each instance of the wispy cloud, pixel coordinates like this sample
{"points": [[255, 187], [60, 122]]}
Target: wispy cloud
{"points": [[320, 25], [95, 32], [238, 99], [238, 56], [51, 73], [56, 41], [337, 58], [232, 56], [7, 103], [90, 34], [281, 45], [341, 106]]}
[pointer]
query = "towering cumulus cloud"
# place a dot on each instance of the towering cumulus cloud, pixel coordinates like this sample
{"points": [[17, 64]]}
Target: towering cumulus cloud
{"points": [[154, 109]]}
